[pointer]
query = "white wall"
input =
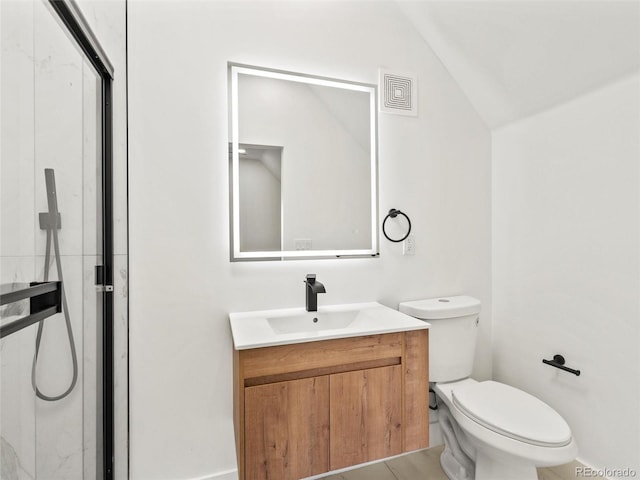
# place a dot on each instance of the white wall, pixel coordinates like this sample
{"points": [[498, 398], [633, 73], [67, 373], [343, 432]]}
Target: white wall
{"points": [[566, 220], [435, 167]]}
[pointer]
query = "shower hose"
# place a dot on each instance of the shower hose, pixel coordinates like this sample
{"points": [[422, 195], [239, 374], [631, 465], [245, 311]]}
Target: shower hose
{"points": [[51, 225]]}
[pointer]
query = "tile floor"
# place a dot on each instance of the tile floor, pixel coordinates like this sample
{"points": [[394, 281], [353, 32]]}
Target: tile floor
{"points": [[425, 465]]}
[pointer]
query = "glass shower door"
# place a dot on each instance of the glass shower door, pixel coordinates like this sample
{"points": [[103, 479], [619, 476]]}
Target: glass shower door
{"points": [[51, 222]]}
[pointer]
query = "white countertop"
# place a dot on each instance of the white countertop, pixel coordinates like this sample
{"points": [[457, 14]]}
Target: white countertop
{"points": [[253, 329]]}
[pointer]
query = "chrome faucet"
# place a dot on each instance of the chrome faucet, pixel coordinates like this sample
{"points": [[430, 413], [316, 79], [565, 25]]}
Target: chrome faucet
{"points": [[313, 288]]}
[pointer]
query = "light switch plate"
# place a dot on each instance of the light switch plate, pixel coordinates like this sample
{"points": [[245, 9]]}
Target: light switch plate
{"points": [[409, 245]]}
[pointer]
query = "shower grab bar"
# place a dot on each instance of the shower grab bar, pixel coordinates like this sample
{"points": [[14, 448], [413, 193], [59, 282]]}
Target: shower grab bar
{"points": [[45, 300], [558, 362]]}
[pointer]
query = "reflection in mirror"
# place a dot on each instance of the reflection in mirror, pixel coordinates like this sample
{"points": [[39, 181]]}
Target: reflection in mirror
{"points": [[260, 175], [303, 166]]}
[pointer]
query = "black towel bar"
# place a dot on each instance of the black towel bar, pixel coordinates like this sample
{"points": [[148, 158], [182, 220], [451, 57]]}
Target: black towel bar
{"points": [[558, 362], [44, 301]]}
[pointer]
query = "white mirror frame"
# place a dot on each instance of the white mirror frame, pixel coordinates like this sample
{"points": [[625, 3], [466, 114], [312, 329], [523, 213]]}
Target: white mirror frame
{"points": [[236, 254]]}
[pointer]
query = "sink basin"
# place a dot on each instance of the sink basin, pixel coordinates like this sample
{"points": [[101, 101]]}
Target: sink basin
{"points": [[267, 328], [312, 322]]}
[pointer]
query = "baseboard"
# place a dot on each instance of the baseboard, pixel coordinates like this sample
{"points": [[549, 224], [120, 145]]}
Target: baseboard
{"points": [[226, 475]]}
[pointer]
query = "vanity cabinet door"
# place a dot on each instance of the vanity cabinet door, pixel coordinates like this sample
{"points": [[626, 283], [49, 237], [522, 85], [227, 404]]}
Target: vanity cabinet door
{"points": [[287, 429], [365, 415]]}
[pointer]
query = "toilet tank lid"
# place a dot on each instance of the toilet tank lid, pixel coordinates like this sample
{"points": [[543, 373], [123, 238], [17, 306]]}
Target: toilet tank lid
{"points": [[442, 307]]}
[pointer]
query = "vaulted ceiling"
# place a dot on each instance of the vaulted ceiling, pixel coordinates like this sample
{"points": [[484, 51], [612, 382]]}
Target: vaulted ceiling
{"points": [[514, 58]]}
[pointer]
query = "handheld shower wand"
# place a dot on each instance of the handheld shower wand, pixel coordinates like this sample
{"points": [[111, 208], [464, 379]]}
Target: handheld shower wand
{"points": [[51, 222]]}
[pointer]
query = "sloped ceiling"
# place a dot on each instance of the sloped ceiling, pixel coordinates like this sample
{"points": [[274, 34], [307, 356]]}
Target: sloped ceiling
{"points": [[514, 58]]}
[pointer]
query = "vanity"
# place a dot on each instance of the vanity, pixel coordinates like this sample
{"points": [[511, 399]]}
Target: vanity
{"points": [[315, 389], [321, 391]]}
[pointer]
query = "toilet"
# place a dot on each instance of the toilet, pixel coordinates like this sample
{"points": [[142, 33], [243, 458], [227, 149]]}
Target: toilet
{"points": [[491, 431]]}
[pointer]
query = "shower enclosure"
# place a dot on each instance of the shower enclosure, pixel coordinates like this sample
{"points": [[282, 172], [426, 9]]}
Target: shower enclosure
{"points": [[56, 253]]}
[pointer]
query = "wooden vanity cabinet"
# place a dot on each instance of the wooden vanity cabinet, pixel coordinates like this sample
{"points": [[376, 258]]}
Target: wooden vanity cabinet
{"points": [[287, 428], [365, 415], [308, 408]]}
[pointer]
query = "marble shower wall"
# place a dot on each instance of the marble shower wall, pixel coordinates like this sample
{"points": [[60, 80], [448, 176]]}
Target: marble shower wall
{"points": [[17, 238], [50, 111]]}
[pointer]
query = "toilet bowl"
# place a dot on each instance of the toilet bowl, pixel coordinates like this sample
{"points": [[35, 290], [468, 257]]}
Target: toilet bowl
{"points": [[512, 432], [491, 431]]}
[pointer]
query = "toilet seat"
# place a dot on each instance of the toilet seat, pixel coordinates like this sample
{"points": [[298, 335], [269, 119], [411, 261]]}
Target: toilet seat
{"points": [[511, 412]]}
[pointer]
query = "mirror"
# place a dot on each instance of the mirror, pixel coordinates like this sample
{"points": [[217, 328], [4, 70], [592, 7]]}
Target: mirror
{"points": [[303, 171]]}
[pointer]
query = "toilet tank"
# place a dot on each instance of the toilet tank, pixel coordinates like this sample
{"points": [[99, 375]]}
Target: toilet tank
{"points": [[452, 335]]}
